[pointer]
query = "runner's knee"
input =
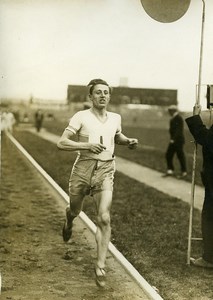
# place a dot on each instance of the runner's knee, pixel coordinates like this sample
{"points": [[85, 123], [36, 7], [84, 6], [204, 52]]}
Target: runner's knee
{"points": [[103, 219]]}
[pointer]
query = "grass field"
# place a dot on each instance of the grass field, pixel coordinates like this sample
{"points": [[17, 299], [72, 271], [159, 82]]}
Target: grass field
{"points": [[148, 227]]}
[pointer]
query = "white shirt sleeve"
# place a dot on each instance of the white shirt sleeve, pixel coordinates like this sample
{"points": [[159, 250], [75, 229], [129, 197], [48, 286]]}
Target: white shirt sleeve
{"points": [[75, 123]]}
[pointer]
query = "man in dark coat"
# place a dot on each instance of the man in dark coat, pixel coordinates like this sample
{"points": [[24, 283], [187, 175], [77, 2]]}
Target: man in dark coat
{"points": [[204, 137], [39, 116], [176, 143]]}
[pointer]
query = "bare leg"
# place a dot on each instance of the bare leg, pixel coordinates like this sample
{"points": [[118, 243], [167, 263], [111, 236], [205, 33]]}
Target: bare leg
{"points": [[76, 203], [103, 202]]}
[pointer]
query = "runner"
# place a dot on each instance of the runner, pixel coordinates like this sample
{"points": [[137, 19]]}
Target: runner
{"points": [[93, 171]]}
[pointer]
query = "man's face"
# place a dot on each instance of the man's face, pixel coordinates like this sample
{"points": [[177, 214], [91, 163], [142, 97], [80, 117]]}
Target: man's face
{"points": [[100, 96], [172, 112]]}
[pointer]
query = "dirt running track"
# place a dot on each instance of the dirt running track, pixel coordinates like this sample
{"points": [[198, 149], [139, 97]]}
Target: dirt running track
{"points": [[35, 263]]}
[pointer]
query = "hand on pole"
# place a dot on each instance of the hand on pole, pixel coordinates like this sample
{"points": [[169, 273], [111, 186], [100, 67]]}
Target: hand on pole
{"points": [[196, 109]]}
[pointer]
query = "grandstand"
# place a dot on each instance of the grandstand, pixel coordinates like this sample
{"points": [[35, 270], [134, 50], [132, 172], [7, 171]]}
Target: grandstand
{"points": [[127, 95]]}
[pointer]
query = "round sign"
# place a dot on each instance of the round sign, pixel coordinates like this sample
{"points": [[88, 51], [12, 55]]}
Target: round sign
{"points": [[165, 11]]}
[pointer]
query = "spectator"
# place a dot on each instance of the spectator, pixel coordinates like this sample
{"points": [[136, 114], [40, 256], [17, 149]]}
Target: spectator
{"points": [[25, 118], [204, 137], [176, 143], [17, 116], [7, 121], [39, 116], [3, 121]]}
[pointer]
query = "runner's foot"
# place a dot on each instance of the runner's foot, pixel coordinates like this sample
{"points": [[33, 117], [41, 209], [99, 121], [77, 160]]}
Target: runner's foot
{"points": [[67, 228], [100, 276]]}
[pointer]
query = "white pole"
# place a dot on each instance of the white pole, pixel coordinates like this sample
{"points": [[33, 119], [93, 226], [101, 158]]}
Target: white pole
{"points": [[195, 148]]}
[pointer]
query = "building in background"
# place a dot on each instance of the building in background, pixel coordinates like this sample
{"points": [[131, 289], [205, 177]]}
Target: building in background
{"points": [[127, 95]]}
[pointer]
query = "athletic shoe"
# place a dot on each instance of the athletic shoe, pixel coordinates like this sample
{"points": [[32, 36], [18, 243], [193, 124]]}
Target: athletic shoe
{"points": [[67, 228], [200, 262], [100, 277]]}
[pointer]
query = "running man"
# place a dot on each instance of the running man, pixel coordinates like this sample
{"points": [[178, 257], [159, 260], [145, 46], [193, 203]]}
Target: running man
{"points": [[93, 171]]}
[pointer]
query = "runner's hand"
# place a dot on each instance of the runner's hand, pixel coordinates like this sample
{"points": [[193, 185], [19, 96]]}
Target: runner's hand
{"points": [[97, 148], [132, 143]]}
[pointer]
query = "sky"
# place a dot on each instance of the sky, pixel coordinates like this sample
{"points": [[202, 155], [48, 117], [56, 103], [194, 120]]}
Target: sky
{"points": [[48, 44]]}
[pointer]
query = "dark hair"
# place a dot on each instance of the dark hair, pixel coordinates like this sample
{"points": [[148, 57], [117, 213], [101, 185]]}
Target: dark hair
{"points": [[94, 82]]}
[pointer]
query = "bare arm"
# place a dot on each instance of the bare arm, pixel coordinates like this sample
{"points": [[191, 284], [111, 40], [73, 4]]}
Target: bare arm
{"points": [[121, 139], [66, 143]]}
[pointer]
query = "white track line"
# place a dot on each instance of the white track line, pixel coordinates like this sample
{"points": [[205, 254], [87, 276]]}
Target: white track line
{"points": [[148, 289]]}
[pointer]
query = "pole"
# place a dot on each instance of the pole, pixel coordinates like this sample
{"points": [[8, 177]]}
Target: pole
{"points": [[210, 115], [195, 148]]}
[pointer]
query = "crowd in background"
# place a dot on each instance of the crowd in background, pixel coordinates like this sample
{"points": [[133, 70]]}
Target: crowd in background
{"points": [[8, 121]]}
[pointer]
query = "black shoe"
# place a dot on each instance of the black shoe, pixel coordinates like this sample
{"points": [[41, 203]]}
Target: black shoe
{"points": [[200, 262], [168, 174], [67, 228], [66, 232], [182, 176]]}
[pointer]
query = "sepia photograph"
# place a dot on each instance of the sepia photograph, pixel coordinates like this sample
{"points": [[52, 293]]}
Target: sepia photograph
{"points": [[106, 149]]}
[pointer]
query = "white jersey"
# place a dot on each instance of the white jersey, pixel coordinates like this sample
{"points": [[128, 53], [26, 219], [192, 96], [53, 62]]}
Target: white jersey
{"points": [[90, 129]]}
